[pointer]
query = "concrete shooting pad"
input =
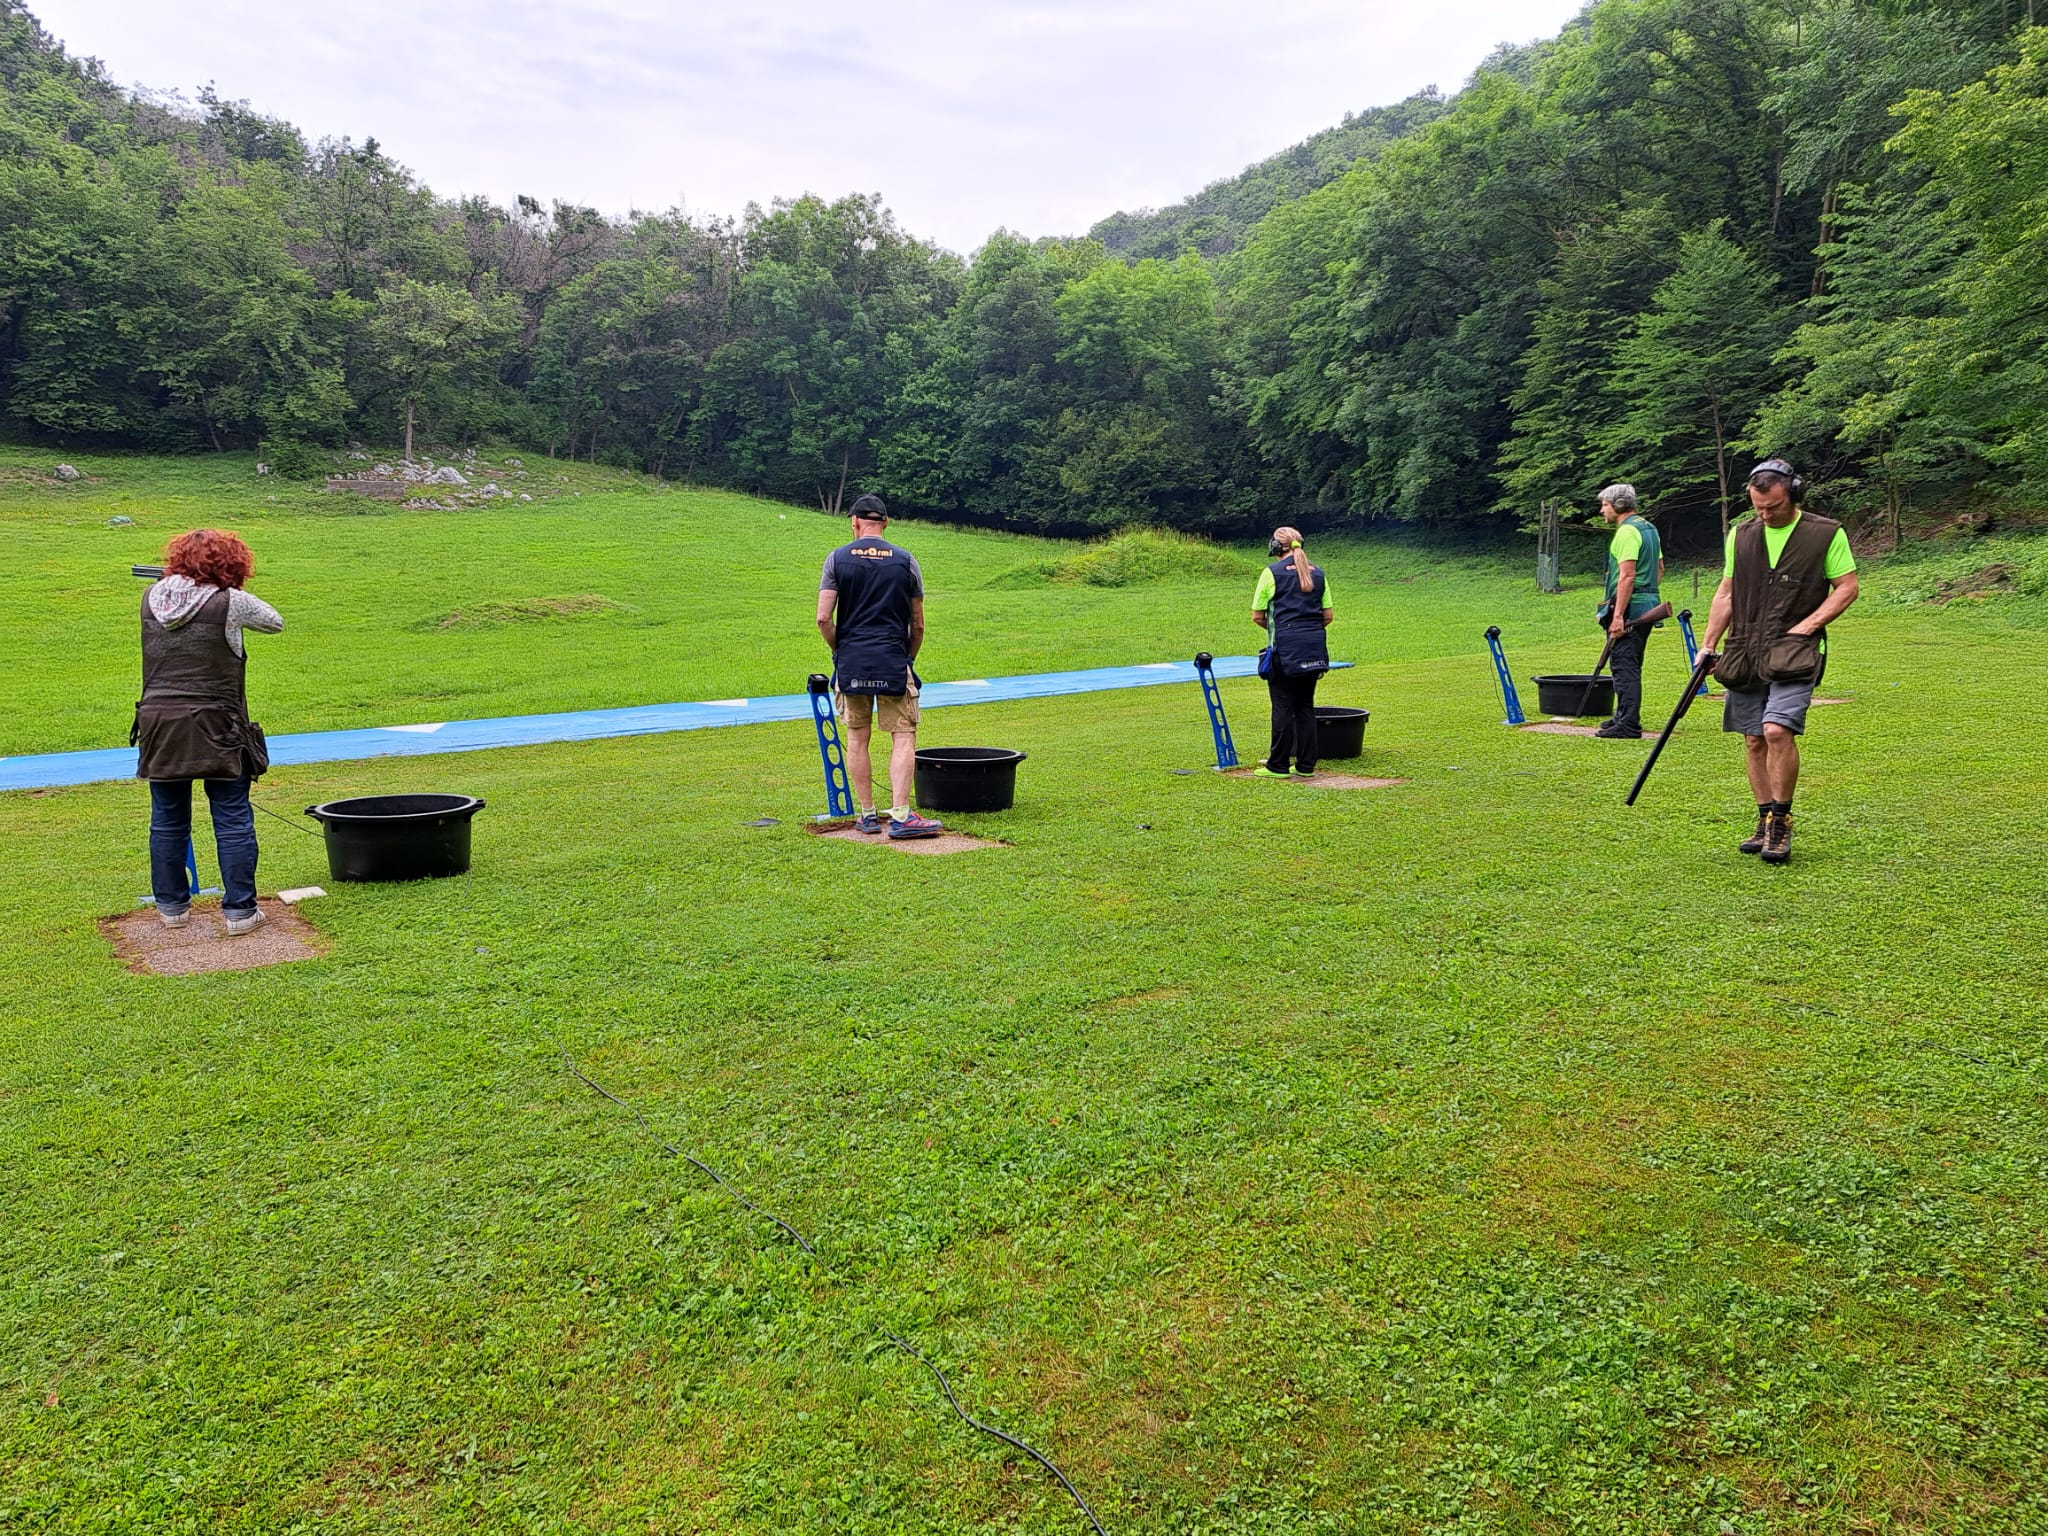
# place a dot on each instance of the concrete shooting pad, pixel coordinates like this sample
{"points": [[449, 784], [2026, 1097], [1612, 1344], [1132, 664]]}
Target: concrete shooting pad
{"points": [[945, 842], [148, 948]]}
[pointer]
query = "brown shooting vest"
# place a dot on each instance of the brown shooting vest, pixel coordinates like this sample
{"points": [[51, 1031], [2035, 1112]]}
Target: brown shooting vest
{"points": [[192, 721], [1769, 600]]}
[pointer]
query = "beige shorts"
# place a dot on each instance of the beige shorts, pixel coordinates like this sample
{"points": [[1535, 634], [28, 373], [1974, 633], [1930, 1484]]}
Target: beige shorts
{"points": [[896, 713]]}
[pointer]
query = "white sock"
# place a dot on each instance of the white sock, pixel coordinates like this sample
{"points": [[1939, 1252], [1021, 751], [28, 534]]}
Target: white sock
{"points": [[899, 813]]}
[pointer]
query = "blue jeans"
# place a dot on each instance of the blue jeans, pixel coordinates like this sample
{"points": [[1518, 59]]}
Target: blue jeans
{"points": [[234, 840]]}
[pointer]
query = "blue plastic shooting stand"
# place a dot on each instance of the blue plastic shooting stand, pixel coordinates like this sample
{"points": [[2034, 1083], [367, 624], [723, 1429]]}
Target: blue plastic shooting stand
{"points": [[838, 793], [1219, 727], [1507, 682], [1692, 650], [191, 876]]}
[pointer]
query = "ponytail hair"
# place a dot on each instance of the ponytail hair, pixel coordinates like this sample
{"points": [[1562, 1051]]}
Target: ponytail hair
{"points": [[1289, 539]]}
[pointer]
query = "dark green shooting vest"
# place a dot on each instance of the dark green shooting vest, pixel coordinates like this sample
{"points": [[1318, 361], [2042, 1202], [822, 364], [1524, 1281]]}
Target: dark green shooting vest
{"points": [[1643, 597], [192, 721], [1769, 600]]}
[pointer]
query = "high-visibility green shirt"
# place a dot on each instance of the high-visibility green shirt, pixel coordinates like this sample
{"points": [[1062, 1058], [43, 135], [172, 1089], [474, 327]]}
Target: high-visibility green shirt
{"points": [[1838, 563], [1262, 594], [1639, 541]]}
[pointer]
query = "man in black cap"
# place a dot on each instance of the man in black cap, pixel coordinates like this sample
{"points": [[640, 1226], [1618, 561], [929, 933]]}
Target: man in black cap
{"points": [[1788, 575], [871, 613]]}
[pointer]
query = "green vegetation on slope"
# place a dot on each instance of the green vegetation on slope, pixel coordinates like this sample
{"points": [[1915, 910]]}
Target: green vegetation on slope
{"points": [[1473, 1155], [1216, 219], [1669, 240]]}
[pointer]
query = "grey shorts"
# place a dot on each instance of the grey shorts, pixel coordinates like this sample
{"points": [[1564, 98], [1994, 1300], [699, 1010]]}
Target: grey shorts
{"points": [[1781, 704]]}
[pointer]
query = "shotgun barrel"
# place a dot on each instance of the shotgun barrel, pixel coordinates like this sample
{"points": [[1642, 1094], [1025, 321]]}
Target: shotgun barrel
{"points": [[1656, 615], [1692, 688], [147, 572]]}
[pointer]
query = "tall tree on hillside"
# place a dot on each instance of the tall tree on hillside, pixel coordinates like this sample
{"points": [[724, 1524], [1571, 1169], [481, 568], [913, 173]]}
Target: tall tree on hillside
{"points": [[971, 431], [1567, 405], [1284, 323], [1987, 145], [1850, 408], [363, 218], [1139, 440], [427, 341], [835, 309], [1695, 366]]}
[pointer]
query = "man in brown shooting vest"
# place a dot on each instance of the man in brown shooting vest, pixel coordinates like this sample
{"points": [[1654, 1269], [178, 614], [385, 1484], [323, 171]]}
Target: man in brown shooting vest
{"points": [[1788, 575]]}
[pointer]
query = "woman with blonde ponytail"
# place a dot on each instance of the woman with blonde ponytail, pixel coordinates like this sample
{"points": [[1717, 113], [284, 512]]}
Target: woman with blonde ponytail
{"points": [[1292, 604]]}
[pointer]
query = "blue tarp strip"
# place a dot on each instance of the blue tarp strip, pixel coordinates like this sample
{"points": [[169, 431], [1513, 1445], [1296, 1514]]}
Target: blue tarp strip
{"points": [[49, 770]]}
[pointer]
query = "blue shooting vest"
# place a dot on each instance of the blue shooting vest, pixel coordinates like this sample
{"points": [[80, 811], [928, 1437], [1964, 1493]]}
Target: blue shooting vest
{"points": [[876, 584], [1295, 620]]}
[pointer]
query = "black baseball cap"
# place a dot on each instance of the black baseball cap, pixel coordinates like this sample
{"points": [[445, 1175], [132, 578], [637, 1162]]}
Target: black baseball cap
{"points": [[870, 506]]}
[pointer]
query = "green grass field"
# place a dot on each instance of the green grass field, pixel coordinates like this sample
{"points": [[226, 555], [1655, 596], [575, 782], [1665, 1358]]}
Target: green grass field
{"points": [[1470, 1156]]}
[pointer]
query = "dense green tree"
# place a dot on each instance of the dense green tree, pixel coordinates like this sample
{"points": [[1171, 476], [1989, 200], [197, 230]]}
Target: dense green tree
{"points": [[430, 346], [1694, 368], [1448, 308], [834, 311], [969, 433], [1986, 146], [1138, 439]]}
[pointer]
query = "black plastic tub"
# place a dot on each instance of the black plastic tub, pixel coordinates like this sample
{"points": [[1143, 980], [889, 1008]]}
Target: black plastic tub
{"points": [[1565, 693], [967, 778], [397, 837], [1340, 730]]}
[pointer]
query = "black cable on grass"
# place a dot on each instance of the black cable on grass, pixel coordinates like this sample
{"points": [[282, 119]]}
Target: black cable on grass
{"points": [[675, 1151], [1033, 1452], [266, 810], [797, 1237]]}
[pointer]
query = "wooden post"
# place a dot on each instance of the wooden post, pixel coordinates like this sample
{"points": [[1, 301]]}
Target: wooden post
{"points": [[1549, 544]]}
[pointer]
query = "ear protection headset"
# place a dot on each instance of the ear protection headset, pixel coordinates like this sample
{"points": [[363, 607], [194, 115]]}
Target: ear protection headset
{"points": [[1786, 471]]}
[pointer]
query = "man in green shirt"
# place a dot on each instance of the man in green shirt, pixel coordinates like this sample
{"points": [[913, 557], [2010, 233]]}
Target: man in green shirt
{"points": [[1788, 574], [1635, 566]]}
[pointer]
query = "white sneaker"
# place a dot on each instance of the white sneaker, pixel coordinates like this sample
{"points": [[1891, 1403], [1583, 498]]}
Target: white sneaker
{"points": [[174, 919], [237, 925]]}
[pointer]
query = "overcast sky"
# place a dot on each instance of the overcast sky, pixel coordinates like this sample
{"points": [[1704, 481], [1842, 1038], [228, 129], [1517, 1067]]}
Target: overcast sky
{"points": [[1041, 116]]}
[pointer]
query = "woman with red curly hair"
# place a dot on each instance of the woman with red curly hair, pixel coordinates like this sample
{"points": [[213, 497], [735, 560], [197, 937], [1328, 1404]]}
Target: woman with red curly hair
{"points": [[192, 721]]}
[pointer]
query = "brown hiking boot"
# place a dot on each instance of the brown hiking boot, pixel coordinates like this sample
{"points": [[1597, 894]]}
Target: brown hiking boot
{"points": [[1778, 840], [1754, 843]]}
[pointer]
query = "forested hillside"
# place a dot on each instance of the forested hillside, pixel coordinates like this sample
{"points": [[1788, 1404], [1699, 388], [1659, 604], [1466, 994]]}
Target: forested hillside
{"points": [[1679, 235], [1216, 219]]}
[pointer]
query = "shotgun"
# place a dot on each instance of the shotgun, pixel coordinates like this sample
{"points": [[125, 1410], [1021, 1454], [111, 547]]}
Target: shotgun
{"points": [[1656, 615], [1692, 688]]}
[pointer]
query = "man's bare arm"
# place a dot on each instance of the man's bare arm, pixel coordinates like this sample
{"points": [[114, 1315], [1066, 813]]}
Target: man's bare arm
{"points": [[827, 601], [1841, 593], [916, 626], [1720, 615], [1624, 590]]}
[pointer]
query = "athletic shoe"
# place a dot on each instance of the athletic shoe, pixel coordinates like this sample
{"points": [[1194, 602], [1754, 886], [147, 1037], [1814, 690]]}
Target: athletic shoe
{"points": [[237, 925], [174, 919], [1778, 840], [915, 825], [1613, 732], [1754, 843], [870, 822], [1263, 772], [1303, 773]]}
